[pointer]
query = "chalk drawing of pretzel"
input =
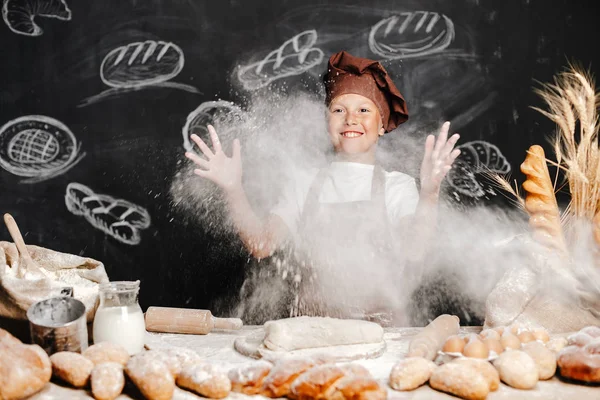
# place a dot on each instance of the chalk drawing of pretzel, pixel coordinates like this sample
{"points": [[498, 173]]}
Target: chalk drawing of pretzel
{"points": [[293, 57], [19, 14], [411, 35], [116, 217]]}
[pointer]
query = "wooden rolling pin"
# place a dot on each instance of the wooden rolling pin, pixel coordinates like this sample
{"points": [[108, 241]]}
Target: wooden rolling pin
{"points": [[186, 320]]}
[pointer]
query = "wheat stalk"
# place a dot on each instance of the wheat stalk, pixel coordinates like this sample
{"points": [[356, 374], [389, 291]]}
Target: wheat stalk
{"points": [[503, 183], [572, 104]]}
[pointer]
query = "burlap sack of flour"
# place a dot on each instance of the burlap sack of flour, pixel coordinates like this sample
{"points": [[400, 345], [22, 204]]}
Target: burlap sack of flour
{"points": [[60, 270], [545, 292]]}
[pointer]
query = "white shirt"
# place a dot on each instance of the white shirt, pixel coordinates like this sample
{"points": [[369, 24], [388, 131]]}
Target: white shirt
{"points": [[347, 182]]}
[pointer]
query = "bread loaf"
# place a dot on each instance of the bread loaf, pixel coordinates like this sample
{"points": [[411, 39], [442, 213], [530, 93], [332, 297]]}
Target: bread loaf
{"points": [[460, 379], [485, 368], [544, 358], [517, 369], [73, 368], [206, 380], [540, 202], [24, 369], [410, 373], [103, 352], [107, 380], [151, 376]]}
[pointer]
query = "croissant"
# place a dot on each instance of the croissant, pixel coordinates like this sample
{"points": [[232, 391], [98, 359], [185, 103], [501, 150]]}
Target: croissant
{"points": [[540, 202]]}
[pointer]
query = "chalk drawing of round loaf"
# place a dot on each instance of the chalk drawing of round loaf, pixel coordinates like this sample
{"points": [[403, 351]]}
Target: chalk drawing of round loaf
{"points": [[19, 15], [141, 63], [411, 34], [38, 147], [293, 57], [476, 157], [219, 113], [118, 218]]}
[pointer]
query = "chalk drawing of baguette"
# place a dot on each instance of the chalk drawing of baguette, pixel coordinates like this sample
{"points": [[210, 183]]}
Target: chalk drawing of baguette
{"points": [[20, 15], [116, 217], [411, 35], [293, 57]]}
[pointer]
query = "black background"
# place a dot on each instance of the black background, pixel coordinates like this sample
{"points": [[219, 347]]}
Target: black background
{"points": [[133, 142]]}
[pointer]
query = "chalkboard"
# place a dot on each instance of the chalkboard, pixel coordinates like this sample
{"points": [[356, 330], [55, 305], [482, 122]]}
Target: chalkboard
{"points": [[96, 97]]}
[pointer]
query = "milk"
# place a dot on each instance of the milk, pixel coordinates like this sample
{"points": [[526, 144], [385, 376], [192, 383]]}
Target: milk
{"points": [[121, 325]]}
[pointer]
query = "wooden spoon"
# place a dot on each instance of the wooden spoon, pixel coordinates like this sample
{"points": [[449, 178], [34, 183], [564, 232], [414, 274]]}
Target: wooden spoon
{"points": [[26, 263]]}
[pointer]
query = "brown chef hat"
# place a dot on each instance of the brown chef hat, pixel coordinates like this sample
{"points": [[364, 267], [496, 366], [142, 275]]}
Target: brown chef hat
{"points": [[349, 74]]}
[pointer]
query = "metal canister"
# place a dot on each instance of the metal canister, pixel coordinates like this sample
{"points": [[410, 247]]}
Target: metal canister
{"points": [[58, 324]]}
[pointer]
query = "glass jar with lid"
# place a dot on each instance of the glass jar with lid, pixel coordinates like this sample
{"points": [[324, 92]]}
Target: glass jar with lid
{"points": [[119, 318]]}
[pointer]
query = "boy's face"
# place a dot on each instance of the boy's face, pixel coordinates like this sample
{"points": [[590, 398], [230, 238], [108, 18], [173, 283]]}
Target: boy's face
{"points": [[354, 124]]}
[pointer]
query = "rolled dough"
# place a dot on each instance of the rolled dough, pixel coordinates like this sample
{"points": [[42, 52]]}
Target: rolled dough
{"points": [[337, 339]]}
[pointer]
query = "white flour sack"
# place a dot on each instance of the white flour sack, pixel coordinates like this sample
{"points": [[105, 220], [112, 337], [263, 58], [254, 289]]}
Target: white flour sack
{"points": [[561, 297], [58, 270]]}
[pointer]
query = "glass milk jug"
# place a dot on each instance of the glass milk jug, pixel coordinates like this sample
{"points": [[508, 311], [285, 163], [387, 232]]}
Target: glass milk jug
{"points": [[119, 318]]}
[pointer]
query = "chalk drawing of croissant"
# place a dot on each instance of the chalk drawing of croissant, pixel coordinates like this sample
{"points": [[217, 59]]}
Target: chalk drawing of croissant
{"points": [[476, 157], [20, 15], [116, 217], [293, 57]]}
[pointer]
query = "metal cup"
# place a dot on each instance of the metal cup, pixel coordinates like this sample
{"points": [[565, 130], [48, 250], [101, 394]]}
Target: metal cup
{"points": [[58, 324]]}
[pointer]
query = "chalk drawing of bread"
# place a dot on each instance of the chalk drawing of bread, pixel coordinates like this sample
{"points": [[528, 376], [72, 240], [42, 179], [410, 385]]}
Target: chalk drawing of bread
{"points": [[116, 217], [293, 57], [219, 113], [36, 145], [411, 34], [19, 15], [141, 64]]}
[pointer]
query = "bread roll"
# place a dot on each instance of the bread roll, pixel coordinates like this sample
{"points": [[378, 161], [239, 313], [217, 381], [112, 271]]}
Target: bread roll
{"points": [[72, 368], [107, 380], [410, 373], [540, 202], [24, 369], [485, 368], [151, 376], [248, 379], [544, 358], [103, 352], [461, 380], [206, 380], [517, 369]]}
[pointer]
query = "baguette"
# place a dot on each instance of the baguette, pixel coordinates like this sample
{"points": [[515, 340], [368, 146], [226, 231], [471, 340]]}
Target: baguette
{"points": [[540, 202]]}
